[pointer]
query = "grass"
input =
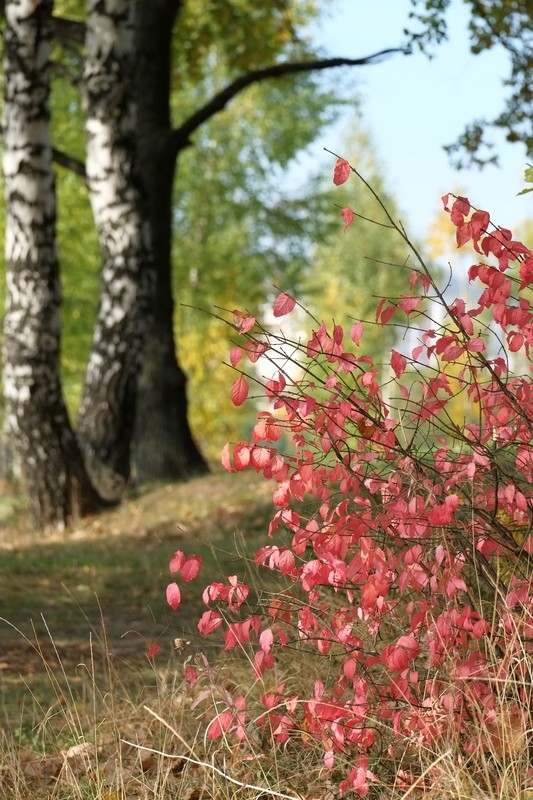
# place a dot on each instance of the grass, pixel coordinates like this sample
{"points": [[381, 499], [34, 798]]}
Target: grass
{"points": [[79, 610]]}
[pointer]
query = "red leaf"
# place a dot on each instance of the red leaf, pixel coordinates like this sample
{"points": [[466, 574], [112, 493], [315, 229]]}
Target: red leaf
{"points": [[283, 304], [515, 341], [409, 304], [209, 622], [387, 313], [239, 391], [341, 173], [463, 233], [348, 216], [235, 355], [475, 345], [191, 675], [398, 363], [460, 210], [176, 562], [191, 568], [173, 595], [243, 322], [255, 350], [220, 724], [153, 650]]}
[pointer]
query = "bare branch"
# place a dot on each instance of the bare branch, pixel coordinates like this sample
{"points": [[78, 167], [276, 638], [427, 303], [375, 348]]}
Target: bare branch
{"points": [[69, 162], [181, 135]]}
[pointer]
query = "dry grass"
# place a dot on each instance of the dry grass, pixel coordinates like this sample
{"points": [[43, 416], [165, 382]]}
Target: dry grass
{"points": [[79, 610]]}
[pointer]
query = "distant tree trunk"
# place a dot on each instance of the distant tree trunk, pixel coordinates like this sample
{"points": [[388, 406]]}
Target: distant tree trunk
{"points": [[163, 444], [107, 411], [36, 417]]}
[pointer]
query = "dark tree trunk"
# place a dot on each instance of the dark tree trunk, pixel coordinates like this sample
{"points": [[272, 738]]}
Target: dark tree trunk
{"points": [[107, 411], [164, 448], [36, 417]]}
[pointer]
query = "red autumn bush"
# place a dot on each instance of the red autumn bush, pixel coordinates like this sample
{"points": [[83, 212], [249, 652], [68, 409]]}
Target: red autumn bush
{"points": [[403, 536]]}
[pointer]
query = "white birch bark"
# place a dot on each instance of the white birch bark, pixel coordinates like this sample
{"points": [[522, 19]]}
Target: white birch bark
{"points": [[36, 419], [107, 410]]}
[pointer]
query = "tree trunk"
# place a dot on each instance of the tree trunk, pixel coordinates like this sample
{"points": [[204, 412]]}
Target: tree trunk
{"points": [[163, 444], [36, 417], [107, 411]]}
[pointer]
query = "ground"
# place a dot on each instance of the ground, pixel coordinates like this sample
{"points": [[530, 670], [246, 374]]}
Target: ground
{"points": [[98, 589]]}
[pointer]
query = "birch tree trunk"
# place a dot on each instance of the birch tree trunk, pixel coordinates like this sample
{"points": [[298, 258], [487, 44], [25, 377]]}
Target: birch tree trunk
{"points": [[163, 443], [107, 410], [36, 418]]}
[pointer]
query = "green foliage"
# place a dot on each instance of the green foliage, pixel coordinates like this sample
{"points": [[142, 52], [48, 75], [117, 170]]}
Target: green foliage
{"points": [[351, 272], [237, 233], [242, 33], [77, 242], [80, 269]]}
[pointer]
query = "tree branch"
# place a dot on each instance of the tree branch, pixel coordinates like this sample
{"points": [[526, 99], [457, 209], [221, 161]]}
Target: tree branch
{"points": [[181, 136], [69, 162], [69, 30]]}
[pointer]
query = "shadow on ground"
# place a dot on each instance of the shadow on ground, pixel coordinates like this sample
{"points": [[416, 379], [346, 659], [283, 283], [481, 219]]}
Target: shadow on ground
{"points": [[98, 590]]}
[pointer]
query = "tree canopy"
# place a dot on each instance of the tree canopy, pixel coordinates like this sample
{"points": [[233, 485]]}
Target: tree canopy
{"points": [[493, 23]]}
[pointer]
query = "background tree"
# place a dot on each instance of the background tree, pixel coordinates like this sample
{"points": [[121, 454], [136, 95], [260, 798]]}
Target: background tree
{"points": [[504, 23], [35, 414], [203, 61], [107, 411], [246, 234]]}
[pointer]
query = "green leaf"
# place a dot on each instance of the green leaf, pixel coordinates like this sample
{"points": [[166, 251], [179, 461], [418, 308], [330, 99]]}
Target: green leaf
{"points": [[528, 178]]}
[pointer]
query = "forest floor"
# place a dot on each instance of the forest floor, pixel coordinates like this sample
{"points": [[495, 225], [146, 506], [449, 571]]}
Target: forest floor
{"points": [[85, 714], [105, 578], [80, 608]]}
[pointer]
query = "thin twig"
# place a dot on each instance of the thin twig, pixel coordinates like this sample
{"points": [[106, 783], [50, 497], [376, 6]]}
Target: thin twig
{"points": [[205, 764]]}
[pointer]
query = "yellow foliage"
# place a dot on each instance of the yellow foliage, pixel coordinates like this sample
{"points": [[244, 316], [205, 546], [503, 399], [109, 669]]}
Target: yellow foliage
{"points": [[213, 418]]}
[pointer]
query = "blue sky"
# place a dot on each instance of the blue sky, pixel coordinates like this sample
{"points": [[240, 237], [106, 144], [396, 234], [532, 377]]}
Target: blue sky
{"points": [[413, 106]]}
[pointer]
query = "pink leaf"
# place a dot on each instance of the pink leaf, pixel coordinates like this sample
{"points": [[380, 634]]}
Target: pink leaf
{"points": [[265, 640], [243, 322], [235, 355], [283, 304], [209, 622], [176, 562], [475, 345], [191, 568], [356, 333], [398, 363], [341, 173], [173, 595], [409, 304], [348, 216], [239, 391]]}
